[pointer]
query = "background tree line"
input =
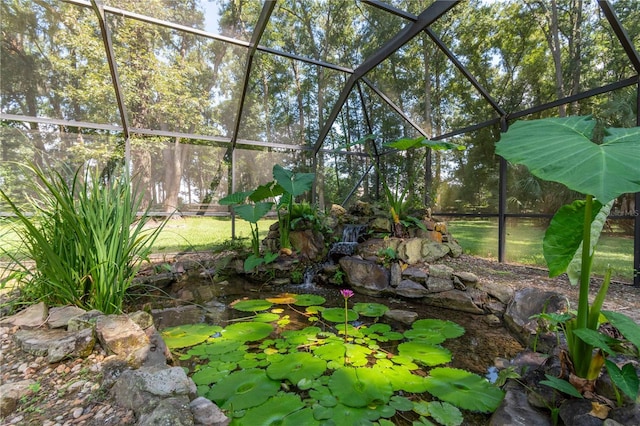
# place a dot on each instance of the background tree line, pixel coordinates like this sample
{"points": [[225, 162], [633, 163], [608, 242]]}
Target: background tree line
{"points": [[523, 52]]}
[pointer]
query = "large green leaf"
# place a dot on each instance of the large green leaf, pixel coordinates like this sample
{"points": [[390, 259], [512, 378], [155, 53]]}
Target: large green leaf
{"points": [[297, 366], [626, 379], [560, 150], [627, 326], [464, 389], [188, 335], [243, 389], [252, 213], [235, 198], [360, 387], [564, 236], [293, 183]]}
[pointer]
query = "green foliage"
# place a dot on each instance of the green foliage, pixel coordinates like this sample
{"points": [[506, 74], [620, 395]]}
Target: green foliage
{"points": [[84, 236], [256, 372], [561, 150]]}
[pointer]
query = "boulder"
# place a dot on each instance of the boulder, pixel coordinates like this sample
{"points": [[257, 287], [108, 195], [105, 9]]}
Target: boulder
{"points": [[308, 243], [402, 316], [206, 412], [410, 251], [411, 289], [141, 390], [526, 303], [365, 277], [120, 335], [59, 316], [453, 299], [11, 393], [32, 317], [56, 344]]}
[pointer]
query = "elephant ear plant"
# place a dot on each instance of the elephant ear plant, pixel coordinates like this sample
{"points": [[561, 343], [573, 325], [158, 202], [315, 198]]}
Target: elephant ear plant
{"points": [[561, 150], [251, 206]]}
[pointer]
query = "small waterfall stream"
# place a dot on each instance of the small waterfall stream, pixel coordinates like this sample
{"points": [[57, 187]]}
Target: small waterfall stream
{"points": [[350, 236]]}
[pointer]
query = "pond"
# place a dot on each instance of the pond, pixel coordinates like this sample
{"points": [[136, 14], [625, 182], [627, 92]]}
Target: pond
{"points": [[257, 347]]}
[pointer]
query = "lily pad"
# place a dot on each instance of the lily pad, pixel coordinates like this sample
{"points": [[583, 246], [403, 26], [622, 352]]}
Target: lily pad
{"points": [[370, 309], [464, 389], [308, 300], [338, 314], [243, 389], [297, 366], [429, 355], [448, 329], [266, 317], [247, 331], [221, 346], [402, 379], [283, 299], [360, 387], [273, 411], [184, 336], [251, 305]]}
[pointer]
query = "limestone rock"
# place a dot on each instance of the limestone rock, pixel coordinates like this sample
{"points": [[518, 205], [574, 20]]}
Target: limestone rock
{"points": [[380, 224], [85, 320], [466, 277], [516, 411], [395, 272], [120, 335], [141, 390], [432, 251], [59, 316], [411, 289], [308, 243], [32, 317], [410, 251], [365, 277], [501, 292], [529, 302], [142, 318], [453, 299], [11, 393], [206, 412], [402, 316], [416, 274], [437, 285], [56, 344], [172, 411]]}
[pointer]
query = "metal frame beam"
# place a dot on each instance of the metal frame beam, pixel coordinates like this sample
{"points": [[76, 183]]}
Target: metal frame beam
{"points": [[408, 32], [98, 8]]}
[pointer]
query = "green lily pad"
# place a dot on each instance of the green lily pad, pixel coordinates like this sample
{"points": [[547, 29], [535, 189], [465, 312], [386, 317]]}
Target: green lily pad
{"points": [[243, 389], [370, 309], [247, 331], [342, 415], [338, 314], [266, 317], [402, 379], [334, 351], [252, 305], [308, 300], [464, 389], [301, 337], [448, 329], [297, 366], [208, 375], [425, 354], [221, 346], [273, 411], [360, 387], [184, 336]]}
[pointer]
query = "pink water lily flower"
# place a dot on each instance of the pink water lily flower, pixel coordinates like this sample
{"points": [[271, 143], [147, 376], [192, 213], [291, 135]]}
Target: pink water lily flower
{"points": [[346, 293]]}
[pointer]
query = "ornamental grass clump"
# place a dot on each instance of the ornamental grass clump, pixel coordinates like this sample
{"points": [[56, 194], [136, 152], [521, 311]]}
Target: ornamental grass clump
{"points": [[84, 238]]}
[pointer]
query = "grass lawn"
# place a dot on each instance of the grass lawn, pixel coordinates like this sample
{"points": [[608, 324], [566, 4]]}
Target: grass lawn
{"points": [[524, 245], [477, 237]]}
